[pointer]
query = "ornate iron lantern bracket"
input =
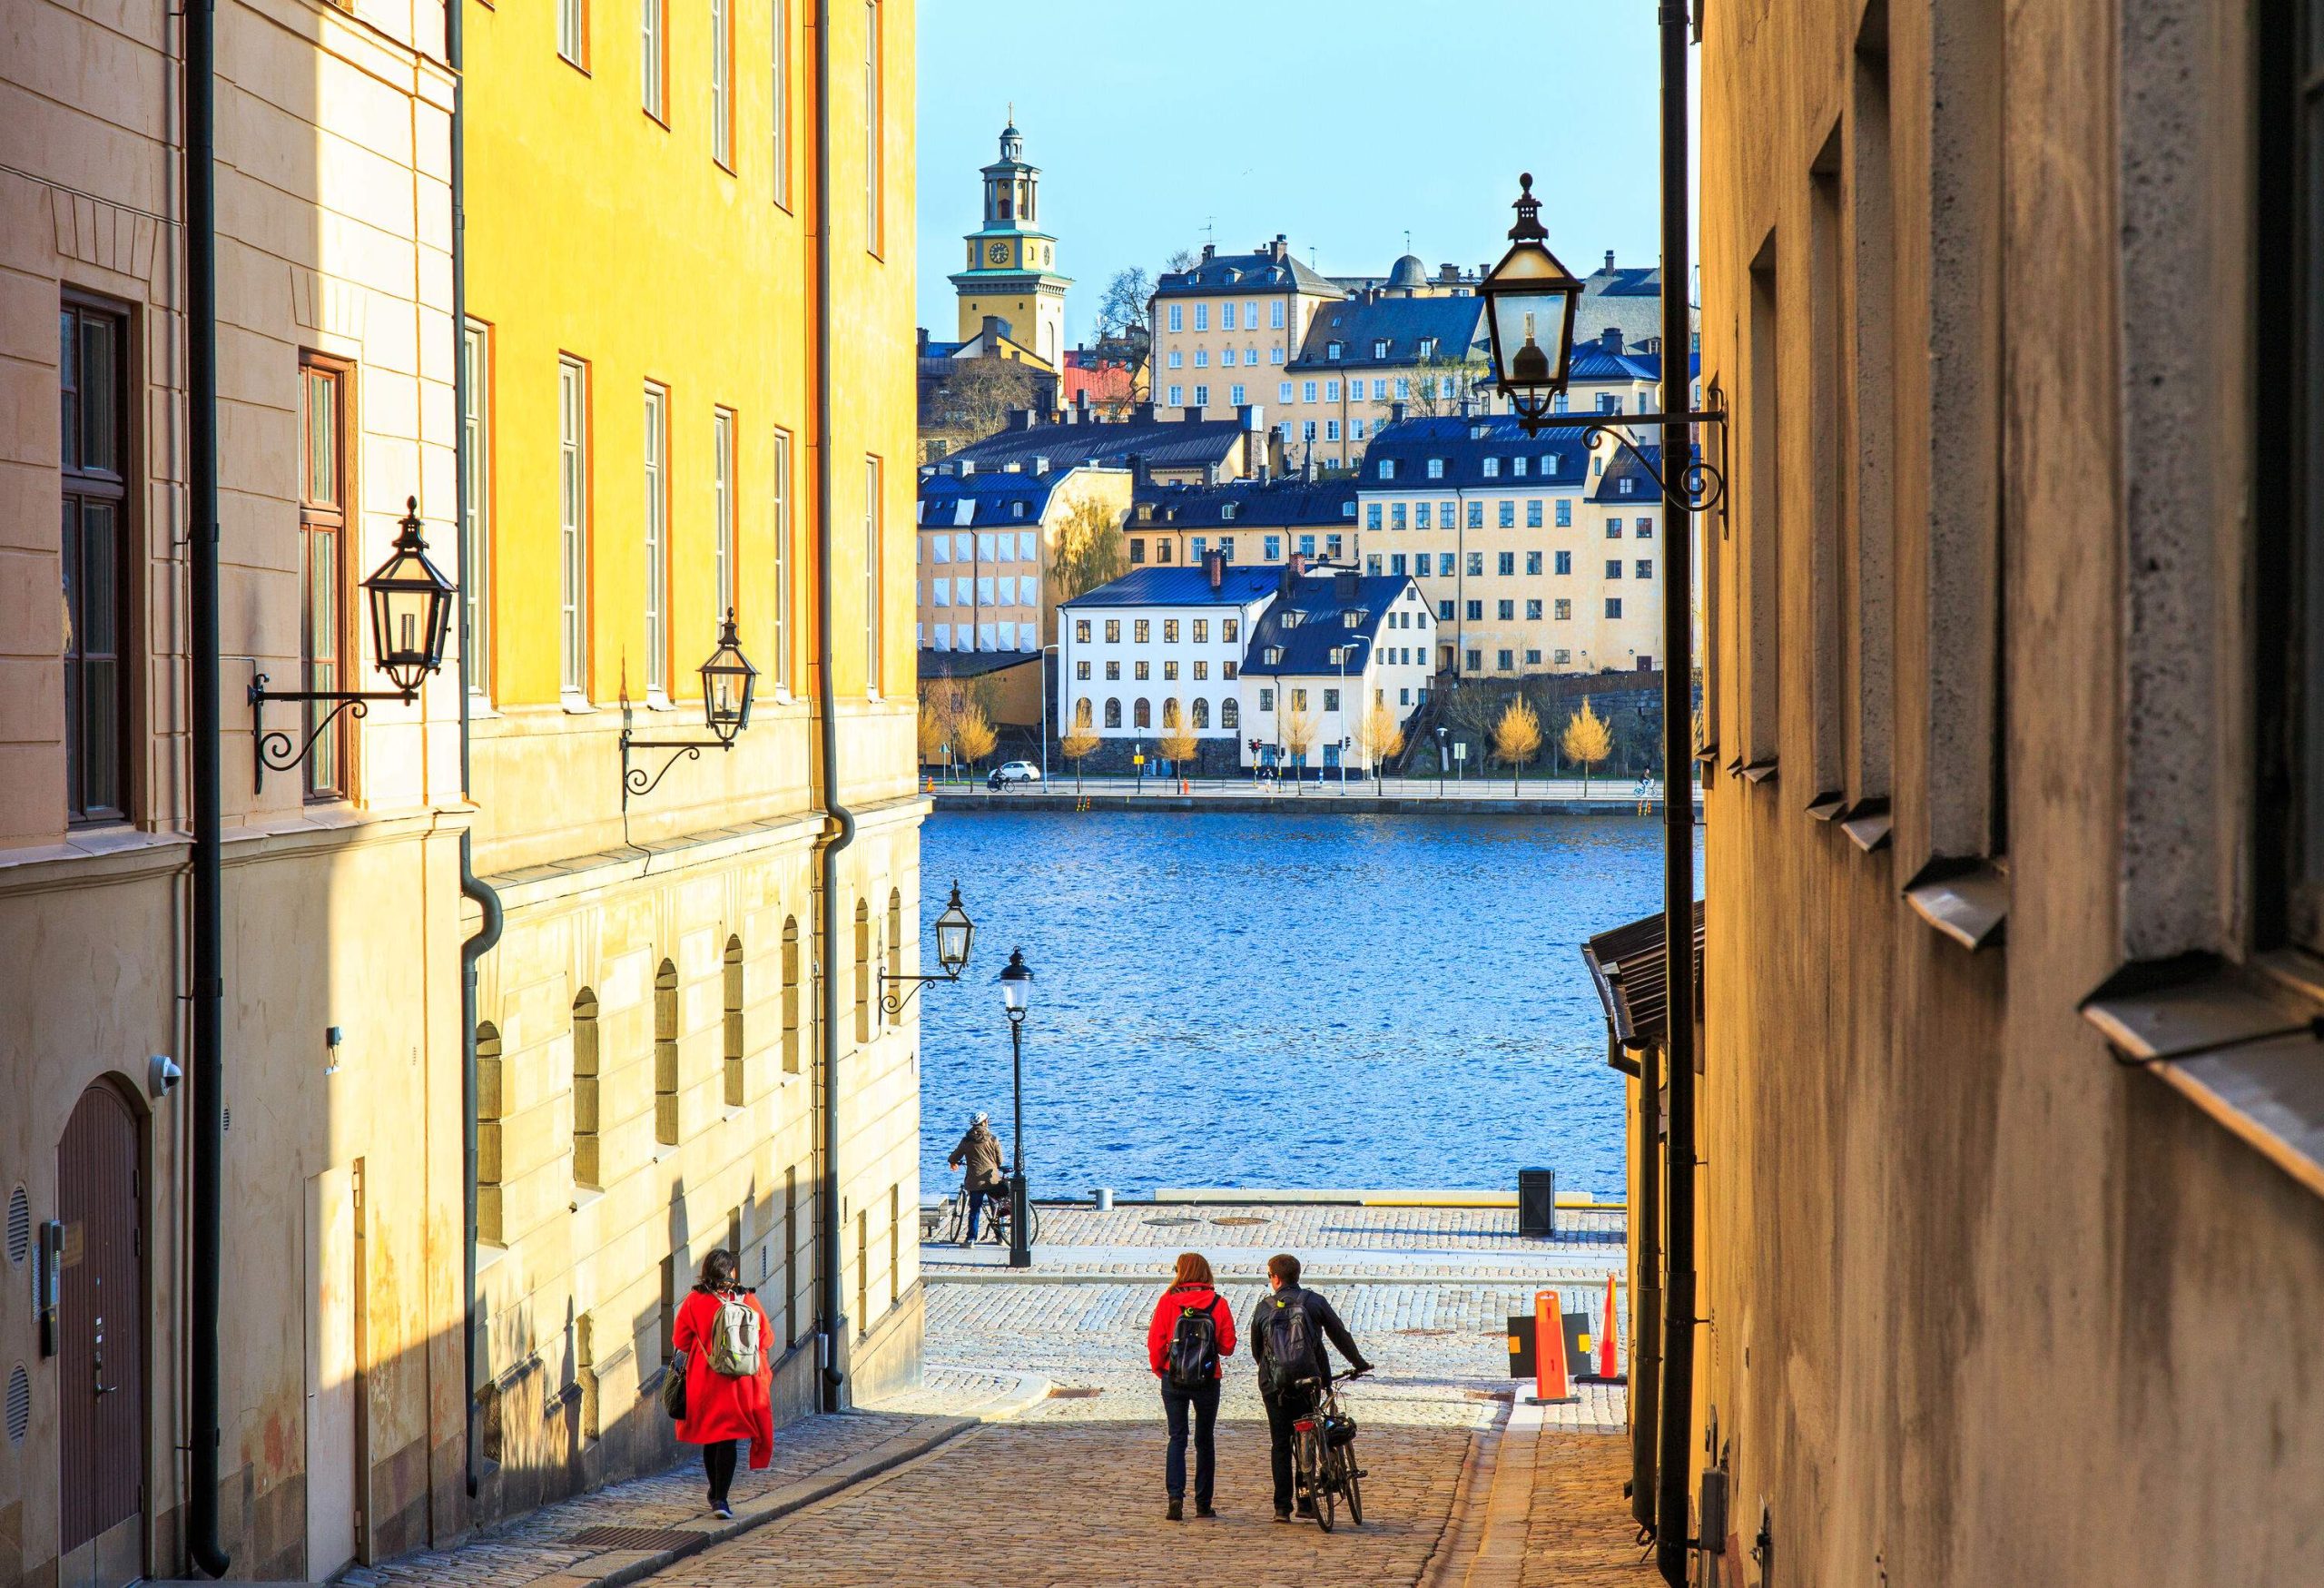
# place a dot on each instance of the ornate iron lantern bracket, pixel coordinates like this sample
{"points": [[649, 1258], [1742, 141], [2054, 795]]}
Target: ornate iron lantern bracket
{"points": [[1699, 485], [279, 749]]}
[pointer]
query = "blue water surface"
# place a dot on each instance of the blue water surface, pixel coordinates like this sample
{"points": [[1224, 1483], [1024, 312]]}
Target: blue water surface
{"points": [[1285, 1000]]}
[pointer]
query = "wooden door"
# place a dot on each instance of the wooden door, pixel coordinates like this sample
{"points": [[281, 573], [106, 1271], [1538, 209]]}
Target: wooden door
{"points": [[100, 1360]]}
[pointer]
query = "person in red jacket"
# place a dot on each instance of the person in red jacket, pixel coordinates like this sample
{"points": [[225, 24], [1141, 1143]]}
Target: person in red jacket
{"points": [[720, 1408], [1193, 1329]]}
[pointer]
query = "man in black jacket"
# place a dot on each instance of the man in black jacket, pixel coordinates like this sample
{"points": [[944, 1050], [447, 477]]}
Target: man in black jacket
{"points": [[1271, 1322]]}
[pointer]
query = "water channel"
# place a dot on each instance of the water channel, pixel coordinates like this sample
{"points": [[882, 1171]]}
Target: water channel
{"points": [[1285, 1001]]}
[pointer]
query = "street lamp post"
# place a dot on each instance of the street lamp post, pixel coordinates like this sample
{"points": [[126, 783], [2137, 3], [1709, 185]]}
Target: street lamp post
{"points": [[1016, 992], [1440, 737]]}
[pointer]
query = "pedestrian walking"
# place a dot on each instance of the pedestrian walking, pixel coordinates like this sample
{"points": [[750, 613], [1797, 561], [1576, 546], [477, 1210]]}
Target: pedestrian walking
{"points": [[1192, 1330], [1287, 1331], [721, 1338], [979, 1150]]}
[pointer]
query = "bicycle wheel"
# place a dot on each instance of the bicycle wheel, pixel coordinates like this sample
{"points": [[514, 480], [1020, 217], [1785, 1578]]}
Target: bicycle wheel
{"points": [[1032, 1224], [957, 1223], [1311, 1460], [1351, 1482]]}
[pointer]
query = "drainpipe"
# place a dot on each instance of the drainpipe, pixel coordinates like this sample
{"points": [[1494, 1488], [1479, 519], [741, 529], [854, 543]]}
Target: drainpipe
{"points": [[1646, 1287], [838, 825], [1672, 1530], [487, 933], [209, 991]]}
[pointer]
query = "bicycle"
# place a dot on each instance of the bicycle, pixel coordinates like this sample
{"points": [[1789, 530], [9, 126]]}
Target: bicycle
{"points": [[996, 1218], [1323, 1454]]}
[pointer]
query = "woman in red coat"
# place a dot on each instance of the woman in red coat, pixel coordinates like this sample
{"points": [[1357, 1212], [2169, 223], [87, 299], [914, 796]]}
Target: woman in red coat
{"points": [[1192, 1298], [720, 1409]]}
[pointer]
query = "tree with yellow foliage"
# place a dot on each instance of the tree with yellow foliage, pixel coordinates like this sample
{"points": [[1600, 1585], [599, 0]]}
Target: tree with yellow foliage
{"points": [[1080, 741], [1516, 737], [939, 708], [1177, 743], [1587, 740], [972, 734], [1295, 731], [1381, 736]]}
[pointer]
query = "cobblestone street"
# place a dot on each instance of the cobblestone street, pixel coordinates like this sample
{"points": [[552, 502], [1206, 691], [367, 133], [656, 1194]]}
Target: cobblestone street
{"points": [[1032, 1453]]}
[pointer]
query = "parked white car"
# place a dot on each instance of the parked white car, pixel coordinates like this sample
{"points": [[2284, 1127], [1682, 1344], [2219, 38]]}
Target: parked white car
{"points": [[1009, 772]]}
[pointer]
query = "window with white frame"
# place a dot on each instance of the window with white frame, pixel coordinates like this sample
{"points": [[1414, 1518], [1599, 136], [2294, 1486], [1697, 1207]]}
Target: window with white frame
{"points": [[571, 32], [572, 526], [722, 548], [874, 134], [652, 78], [1178, 317], [655, 525], [475, 522], [872, 528], [722, 82], [781, 83]]}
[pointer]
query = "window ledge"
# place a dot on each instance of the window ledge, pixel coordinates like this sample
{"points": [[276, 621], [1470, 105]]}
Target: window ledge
{"points": [[655, 701], [1826, 807], [1868, 824], [577, 705], [2245, 1045], [1760, 771], [1967, 901]]}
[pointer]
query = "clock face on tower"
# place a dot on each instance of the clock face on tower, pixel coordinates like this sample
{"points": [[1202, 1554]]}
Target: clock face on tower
{"points": [[998, 254]]}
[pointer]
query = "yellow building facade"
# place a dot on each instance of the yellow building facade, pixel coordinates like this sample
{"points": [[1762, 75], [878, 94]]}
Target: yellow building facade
{"points": [[652, 440]]}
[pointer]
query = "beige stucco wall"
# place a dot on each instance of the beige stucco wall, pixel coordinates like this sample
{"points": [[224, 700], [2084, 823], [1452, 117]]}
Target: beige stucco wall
{"points": [[335, 227], [1211, 340], [1984, 1304], [1107, 488]]}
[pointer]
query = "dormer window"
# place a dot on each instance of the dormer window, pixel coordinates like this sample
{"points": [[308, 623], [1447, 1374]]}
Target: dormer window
{"points": [[1476, 432], [1428, 347], [1291, 619], [1332, 351], [1347, 509], [1379, 347], [1517, 466], [1016, 509], [1274, 655], [1629, 486], [1352, 618], [1227, 510], [1549, 464], [1387, 469], [1436, 469], [1492, 469]]}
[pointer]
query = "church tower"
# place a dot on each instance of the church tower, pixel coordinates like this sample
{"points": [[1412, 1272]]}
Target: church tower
{"points": [[1011, 271]]}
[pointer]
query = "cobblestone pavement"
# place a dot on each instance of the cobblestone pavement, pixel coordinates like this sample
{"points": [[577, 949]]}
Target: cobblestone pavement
{"points": [[1031, 1507], [539, 1548], [1579, 1532]]}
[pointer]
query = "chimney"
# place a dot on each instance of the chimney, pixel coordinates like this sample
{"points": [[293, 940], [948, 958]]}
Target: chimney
{"points": [[1214, 563], [1610, 261], [1143, 413], [1397, 412], [1137, 470], [1294, 570], [1279, 250], [1343, 585], [1192, 416], [1252, 416], [1209, 251], [1611, 339], [1081, 404], [994, 327], [1020, 419], [1210, 473], [923, 341]]}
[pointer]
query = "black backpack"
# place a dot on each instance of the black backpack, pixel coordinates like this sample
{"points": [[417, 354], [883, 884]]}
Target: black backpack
{"points": [[1290, 1342], [1192, 1361]]}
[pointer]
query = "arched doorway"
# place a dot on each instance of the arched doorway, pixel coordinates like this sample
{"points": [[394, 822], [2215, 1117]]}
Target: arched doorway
{"points": [[101, 1342]]}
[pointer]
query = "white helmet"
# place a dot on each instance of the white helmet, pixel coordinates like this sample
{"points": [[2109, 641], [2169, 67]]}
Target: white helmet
{"points": [[975, 1119]]}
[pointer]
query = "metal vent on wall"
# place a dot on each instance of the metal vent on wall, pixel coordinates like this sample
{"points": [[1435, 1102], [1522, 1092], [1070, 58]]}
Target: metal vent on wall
{"points": [[20, 1227], [20, 1404]]}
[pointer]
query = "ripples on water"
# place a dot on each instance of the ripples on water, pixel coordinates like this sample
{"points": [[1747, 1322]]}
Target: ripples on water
{"points": [[1284, 1000]]}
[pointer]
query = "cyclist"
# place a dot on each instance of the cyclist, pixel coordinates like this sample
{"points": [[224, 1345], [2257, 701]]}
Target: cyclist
{"points": [[1287, 1331], [979, 1150]]}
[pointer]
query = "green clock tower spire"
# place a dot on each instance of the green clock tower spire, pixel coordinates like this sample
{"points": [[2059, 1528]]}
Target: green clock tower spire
{"points": [[1011, 274]]}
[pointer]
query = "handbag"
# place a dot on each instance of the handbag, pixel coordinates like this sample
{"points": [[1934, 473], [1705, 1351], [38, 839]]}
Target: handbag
{"points": [[674, 1387]]}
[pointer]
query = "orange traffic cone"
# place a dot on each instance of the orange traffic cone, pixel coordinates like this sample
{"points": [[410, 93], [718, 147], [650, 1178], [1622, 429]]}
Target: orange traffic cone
{"points": [[1606, 1365], [1548, 1348]]}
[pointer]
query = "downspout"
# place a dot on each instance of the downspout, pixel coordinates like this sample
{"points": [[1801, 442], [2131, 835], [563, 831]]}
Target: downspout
{"points": [[209, 991], [488, 932], [1646, 1287], [838, 823], [1671, 1538]]}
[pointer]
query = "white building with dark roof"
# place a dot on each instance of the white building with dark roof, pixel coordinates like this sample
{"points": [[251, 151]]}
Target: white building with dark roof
{"points": [[1334, 646]]}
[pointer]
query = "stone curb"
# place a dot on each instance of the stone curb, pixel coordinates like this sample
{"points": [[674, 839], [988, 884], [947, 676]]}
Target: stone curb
{"points": [[773, 1508]]}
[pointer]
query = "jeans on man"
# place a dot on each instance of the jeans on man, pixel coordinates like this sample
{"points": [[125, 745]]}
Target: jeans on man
{"points": [[1204, 1404], [976, 1206], [1282, 1412]]}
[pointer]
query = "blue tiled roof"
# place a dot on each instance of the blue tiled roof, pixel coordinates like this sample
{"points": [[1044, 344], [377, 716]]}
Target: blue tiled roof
{"points": [[1244, 273], [1187, 584], [1319, 608], [1625, 282], [1162, 443], [1593, 361], [996, 497], [1463, 445], [1645, 492], [1244, 502], [1454, 324]]}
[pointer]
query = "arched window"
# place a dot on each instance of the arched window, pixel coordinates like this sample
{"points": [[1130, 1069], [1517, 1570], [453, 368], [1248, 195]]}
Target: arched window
{"points": [[790, 995], [1170, 713], [1202, 713], [1081, 711], [491, 1107], [735, 1095], [1113, 714], [896, 946], [1230, 713], [863, 970], [1142, 715], [584, 1089], [665, 1054]]}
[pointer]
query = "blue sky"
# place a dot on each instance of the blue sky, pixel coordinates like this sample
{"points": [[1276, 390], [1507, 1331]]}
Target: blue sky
{"points": [[1342, 125]]}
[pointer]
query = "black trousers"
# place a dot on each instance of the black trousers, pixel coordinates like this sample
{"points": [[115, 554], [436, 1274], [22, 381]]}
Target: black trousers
{"points": [[1282, 1412], [1204, 1405], [718, 1465]]}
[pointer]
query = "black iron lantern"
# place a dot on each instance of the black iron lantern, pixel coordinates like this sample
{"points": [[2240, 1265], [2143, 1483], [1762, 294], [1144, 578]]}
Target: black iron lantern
{"points": [[1529, 304], [411, 607], [954, 933], [1016, 985], [729, 684]]}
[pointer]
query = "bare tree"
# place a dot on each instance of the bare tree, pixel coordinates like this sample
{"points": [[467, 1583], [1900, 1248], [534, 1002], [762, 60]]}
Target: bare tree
{"points": [[975, 398], [1122, 311], [1440, 382], [1182, 259]]}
